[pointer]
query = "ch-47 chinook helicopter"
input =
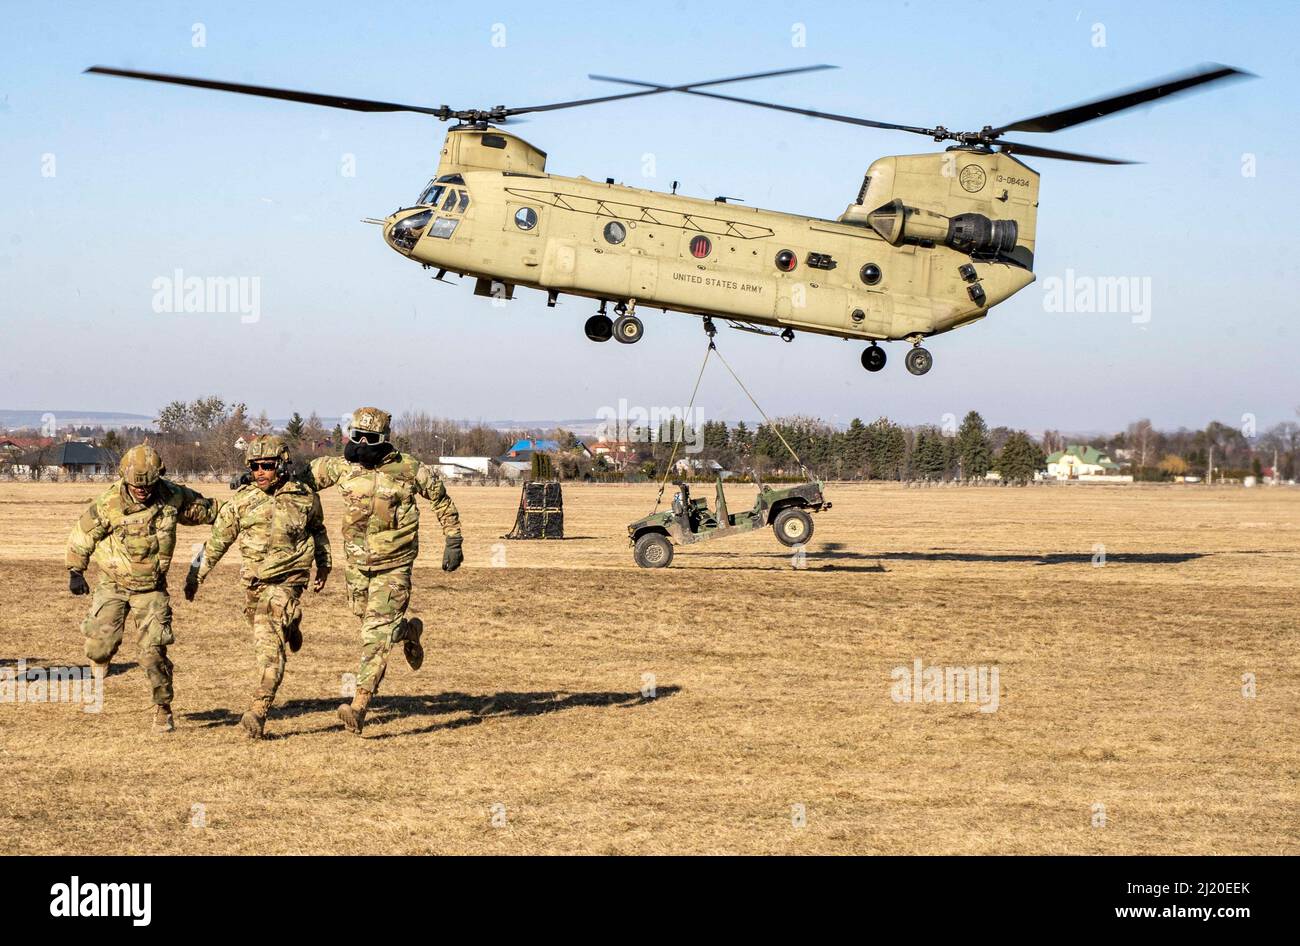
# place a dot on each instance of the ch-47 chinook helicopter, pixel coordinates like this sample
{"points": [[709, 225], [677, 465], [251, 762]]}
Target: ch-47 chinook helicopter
{"points": [[932, 242]]}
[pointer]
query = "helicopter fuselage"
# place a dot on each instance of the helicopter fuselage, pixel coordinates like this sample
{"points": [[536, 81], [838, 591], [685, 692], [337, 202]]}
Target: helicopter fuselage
{"points": [[889, 268]]}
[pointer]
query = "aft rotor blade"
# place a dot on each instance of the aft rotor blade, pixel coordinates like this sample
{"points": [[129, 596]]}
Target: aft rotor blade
{"points": [[651, 88], [1016, 147], [812, 113], [309, 98], [1099, 108]]}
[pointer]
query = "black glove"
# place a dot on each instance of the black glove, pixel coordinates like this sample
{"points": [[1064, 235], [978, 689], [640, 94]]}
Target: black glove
{"points": [[192, 583], [77, 583], [243, 479], [452, 555]]}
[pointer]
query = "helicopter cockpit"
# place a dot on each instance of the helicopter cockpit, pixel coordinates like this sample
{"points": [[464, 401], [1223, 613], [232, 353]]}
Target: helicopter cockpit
{"points": [[443, 194]]}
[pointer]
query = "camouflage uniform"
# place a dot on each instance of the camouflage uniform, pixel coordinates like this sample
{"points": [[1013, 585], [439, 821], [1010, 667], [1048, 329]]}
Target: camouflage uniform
{"points": [[132, 543], [280, 533], [381, 540]]}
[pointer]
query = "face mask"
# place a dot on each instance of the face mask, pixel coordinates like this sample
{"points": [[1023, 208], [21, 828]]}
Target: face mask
{"points": [[367, 454]]}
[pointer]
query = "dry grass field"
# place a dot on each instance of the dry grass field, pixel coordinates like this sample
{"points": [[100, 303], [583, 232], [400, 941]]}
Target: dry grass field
{"points": [[1121, 685]]}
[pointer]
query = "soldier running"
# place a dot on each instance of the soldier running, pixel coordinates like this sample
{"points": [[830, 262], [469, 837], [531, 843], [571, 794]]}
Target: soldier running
{"points": [[281, 530], [130, 529], [381, 539]]}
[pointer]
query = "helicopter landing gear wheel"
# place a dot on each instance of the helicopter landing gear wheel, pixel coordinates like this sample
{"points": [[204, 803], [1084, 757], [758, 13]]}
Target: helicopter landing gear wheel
{"points": [[787, 335], [652, 550], [873, 358], [599, 328], [628, 329], [919, 361], [793, 527]]}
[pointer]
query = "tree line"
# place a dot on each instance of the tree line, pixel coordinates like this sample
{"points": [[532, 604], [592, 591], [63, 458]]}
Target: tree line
{"points": [[200, 437]]}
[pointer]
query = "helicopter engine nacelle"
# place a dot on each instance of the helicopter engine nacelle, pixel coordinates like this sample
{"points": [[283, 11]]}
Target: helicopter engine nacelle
{"points": [[969, 232], [973, 201]]}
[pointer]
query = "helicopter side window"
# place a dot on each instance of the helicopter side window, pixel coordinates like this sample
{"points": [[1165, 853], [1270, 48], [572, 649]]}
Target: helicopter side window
{"points": [[450, 205], [464, 201], [432, 194]]}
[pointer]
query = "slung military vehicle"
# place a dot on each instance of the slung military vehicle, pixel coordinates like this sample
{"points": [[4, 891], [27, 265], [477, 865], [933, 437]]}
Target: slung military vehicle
{"points": [[931, 242], [689, 520]]}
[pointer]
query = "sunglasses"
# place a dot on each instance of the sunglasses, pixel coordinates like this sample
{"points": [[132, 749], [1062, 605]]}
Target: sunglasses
{"points": [[262, 465], [365, 436]]}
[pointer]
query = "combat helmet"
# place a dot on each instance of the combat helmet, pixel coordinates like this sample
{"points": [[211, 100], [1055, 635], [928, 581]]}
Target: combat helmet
{"points": [[141, 466], [266, 447], [372, 420]]}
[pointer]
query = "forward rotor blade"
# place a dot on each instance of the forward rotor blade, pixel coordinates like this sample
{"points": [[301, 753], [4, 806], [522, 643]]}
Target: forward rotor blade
{"points": [[1016, 147], [369, 105], [309, 98], [1099, 108], [812, 113]]}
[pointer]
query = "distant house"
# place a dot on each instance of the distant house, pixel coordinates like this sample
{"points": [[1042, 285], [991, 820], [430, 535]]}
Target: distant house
{"points": [[693, 465], [453, 468], [69, 458], [531, 445], [15, 446], [518, 460], [618, 453], [514, 467], [1079, 460]]}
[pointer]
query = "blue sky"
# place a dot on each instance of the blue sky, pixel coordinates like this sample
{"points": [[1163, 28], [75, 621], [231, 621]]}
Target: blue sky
{"points": [[150, 178]]}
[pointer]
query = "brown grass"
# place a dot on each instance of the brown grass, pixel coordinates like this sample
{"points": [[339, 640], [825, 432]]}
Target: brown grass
{"points": [[1120, 685]]}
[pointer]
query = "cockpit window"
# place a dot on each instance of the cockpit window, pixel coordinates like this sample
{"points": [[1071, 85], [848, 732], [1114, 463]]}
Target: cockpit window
{"points": [[432, 194], [450, 205], [407, 231], [451, 179], [464, 201]]}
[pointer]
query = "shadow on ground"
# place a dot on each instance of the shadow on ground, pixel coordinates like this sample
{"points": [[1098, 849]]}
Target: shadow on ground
{"points": [[832, 556], [42, 663], [464, 709], [1050, 558]]}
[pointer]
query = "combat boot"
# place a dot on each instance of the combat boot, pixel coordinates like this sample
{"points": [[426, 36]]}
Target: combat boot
{"points": [[254, 721], [162, 719], [354, 714], [411, 643]]}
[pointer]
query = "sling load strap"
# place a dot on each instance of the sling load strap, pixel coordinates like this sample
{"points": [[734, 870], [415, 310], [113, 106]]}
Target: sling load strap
{"points": [[712, 349], [669, 470], [775, 429]]}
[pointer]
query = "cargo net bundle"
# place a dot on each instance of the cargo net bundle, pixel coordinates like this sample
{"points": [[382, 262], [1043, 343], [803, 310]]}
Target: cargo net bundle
{"points": [[541, 512]]}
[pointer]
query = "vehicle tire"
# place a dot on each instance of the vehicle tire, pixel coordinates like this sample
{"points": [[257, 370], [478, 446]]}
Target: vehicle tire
{"points": [[793, 526], [653, 550], [599, 328], [628, 329], [918, 361], [873, 358]]}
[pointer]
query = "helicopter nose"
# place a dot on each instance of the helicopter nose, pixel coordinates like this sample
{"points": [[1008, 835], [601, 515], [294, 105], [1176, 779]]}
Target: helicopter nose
{"points": [[403, 229]]}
